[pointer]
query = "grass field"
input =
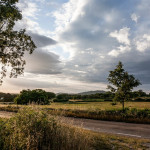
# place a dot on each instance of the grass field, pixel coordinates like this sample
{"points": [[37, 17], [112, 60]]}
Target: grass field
{"points": [[92, 106], [97, 105]]}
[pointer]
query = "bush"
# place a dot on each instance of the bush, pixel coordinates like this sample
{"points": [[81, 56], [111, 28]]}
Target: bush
{"points": [[33, 129]]}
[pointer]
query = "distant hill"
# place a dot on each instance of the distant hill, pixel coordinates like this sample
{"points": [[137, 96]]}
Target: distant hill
{"points": [[91, 92]]}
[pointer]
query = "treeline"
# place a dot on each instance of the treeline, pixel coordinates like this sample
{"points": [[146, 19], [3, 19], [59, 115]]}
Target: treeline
{"points": [[107, 96], [40, 96]]}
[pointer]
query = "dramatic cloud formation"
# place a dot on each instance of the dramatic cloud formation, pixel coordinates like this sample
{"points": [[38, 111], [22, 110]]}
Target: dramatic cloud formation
{"points": [[79, 42]]}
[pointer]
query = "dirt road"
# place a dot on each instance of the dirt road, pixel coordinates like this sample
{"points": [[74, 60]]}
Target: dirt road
{"points": [[119, 128]]}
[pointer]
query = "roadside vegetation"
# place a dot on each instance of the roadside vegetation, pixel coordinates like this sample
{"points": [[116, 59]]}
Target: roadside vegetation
{"points": [[33, 128]]}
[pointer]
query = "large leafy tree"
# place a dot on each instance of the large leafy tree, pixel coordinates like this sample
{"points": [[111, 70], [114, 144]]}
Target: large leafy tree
{"points": [[37, 96], [122, 83], [13, 44]]}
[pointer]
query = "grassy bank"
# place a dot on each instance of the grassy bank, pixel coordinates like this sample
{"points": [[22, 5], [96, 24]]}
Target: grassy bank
{"points": [[132, 115], [32, 128]]}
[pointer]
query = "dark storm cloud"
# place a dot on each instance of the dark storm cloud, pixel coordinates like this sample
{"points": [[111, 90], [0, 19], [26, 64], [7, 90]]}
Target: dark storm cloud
{"points": [[140, 69]]}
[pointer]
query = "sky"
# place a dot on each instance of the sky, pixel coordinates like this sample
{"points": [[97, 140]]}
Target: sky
{"points": [[79, 42]]}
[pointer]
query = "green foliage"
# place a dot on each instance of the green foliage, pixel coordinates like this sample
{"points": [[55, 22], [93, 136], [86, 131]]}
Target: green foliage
{"points": [[13, 44], [51, 95], [122, 82], [93, 97], [62, 98], [139, 93], [38, 96]]}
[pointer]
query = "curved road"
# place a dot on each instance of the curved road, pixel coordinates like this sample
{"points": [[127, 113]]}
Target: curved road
{"points": [[119, 128]]}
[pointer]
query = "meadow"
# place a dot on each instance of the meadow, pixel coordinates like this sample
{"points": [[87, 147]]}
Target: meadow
{"points": [[81, 105], [93, 106]]}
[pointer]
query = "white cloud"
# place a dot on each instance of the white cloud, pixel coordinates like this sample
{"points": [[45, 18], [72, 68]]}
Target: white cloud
{"points": [[69, 12], [134, 17], [122, 35], [27, 23], [30, 21], [120, 50], [114, 53], [28, 9], [143, 43]]}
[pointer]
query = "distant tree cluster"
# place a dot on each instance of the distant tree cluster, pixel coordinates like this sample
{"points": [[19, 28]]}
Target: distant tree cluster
{"points": [[105, 96], [62, 97], [7, 97], [139, 93], [37, 96], [40, 96]]}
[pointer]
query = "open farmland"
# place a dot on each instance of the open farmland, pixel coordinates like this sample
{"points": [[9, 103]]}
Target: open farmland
{"points": [[92, 106], [97, 105]]}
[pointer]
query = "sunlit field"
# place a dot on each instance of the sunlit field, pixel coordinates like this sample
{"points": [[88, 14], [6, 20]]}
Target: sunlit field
{"points": [[91, 106], [98, 105]]}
